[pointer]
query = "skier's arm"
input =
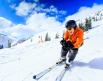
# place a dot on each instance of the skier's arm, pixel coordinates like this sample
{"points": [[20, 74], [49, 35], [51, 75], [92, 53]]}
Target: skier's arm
{"points": [[79, 39], [66, 36]]}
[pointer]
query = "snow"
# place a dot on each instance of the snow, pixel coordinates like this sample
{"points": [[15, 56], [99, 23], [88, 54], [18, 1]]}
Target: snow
{"points": [[21, 62]]}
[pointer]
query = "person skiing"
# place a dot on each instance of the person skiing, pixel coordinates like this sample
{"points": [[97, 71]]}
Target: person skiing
{"points": [[72, 40]]}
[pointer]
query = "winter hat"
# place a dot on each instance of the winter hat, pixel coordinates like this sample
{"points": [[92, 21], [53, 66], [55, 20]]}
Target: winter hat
{"points": [[71, 24]]}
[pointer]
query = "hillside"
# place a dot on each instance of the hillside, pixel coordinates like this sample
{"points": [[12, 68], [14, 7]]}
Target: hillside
{"points": [[21, 62]]}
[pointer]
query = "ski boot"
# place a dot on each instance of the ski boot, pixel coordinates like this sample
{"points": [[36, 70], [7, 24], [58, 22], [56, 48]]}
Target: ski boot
{"points": [[61, 61], [67, 66]]}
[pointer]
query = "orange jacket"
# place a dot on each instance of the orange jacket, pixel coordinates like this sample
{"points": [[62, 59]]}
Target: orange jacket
{"points": [[76, 38]]}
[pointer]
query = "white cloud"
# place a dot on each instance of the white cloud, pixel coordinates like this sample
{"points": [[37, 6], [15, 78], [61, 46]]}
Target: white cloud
{"points": [[34, 24], [4, 23], [38, 22], [36, 0], [24, 8], [18, 31], [41, 22], [85, 12], [53, 9]]}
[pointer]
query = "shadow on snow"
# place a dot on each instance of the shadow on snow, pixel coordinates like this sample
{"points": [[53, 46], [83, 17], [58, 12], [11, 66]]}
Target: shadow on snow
{"points": [[96, 63]]}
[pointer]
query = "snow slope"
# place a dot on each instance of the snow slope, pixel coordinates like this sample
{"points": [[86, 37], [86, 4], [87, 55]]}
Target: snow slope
{"points": [[21, 62]]}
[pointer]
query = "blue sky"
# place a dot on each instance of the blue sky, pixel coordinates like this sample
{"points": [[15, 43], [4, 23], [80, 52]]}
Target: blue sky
{"points": [[7, 12], [69, 6]]}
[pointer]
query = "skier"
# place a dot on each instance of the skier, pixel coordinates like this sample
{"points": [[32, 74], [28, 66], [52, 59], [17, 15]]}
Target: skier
{"points": [[72, 40]]}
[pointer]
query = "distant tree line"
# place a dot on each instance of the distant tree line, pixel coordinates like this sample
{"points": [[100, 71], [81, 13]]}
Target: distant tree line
{"points": [[86, 25], [88, 21]]}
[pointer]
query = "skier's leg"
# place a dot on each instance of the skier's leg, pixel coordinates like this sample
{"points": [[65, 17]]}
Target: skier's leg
{"points": [[63, 56], [63, 53], [72, 54]]}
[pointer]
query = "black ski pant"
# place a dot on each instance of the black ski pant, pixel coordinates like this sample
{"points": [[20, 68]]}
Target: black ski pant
{"points": [[71, 54]]}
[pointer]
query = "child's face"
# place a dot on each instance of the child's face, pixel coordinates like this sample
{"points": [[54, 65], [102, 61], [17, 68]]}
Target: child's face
{"points": [[71, 31]]}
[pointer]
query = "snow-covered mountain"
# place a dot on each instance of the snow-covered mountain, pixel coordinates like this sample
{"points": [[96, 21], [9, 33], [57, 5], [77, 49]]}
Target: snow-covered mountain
{"points": [[5, 41], [21, 62], [5, 23]]}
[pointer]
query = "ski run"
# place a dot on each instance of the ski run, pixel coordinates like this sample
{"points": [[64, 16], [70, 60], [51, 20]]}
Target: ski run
{"points": [[22, 62]]}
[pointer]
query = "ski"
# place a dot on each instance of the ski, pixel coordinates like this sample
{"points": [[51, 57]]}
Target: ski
{"points": [[41, 74], [62, 73]]}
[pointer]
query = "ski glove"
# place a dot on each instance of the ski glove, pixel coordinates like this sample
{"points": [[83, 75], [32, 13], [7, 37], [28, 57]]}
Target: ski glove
{"points": [[66, 44], [63, 43], [70, 44]]}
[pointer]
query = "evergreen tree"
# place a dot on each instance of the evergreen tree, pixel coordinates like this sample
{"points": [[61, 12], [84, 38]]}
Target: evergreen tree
{"points": [[31, 40], [9, 44], [1, 46], [81, 25], [88, 24], [47, 38], [57, 36]]}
